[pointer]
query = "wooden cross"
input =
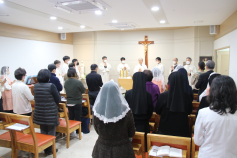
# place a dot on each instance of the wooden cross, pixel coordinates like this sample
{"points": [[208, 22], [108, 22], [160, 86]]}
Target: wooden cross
{"points": [[146, 43]]}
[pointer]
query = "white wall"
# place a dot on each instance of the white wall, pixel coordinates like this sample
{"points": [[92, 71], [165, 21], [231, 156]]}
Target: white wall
{"points": [[180, 43], [229, 40], [31, 55]]}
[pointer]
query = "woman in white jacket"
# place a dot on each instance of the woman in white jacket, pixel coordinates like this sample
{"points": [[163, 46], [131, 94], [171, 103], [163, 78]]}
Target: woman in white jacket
{"points": [[216, 126]]}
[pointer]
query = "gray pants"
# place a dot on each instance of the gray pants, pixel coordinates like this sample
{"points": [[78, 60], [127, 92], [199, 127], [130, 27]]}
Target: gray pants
{"points": [[49, 130]]}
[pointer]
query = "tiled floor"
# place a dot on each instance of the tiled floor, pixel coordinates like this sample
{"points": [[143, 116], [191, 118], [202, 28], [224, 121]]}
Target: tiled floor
{"points": [[78, 148]]}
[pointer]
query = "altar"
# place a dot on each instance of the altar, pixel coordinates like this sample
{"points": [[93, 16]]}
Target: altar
{"points": [[125, 82]]}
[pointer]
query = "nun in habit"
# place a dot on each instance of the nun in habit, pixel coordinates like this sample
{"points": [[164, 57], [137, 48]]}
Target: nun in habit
{"points": [[140, 102], [114, 123], [174, 106]]}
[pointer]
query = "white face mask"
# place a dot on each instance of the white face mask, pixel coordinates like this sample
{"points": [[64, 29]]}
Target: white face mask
{"points": [[123, 61], [174, 62], [187, 62], [105, 61], [157, 62]]}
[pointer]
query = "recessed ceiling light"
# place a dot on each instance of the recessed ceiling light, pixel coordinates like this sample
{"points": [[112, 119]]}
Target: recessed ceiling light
{"points": [[98, 12], [1, 1], [82, 26], [162, 21], [60, 28], [114, 21], [53, 18], [155, 8]]}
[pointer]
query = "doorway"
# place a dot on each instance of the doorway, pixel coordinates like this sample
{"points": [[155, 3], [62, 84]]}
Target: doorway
{"points": [[223, 61]]}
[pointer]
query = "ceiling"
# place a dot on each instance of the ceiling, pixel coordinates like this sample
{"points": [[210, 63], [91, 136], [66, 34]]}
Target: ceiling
{"points": [[177, 13]]}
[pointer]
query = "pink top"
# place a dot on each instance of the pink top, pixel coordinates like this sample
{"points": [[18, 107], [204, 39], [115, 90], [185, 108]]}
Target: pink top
{"points": [[7, 102], [160, 85]]}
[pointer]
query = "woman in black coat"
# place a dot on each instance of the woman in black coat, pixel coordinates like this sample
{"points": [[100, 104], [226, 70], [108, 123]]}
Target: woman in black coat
{"points": [[174, 106], [47, 99], [113, 122]]}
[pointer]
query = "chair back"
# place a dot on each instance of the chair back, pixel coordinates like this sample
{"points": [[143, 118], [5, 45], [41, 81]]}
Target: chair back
{"points": [[172, 141], [139, 139], [194, 148], [3, 120], [195, 96], [26, 120], [87, 104], [64, 113], [195, 107], [86, 91]]}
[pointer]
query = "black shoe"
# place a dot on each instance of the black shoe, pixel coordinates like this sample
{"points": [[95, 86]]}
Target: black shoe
{"points": [[51, 152]]}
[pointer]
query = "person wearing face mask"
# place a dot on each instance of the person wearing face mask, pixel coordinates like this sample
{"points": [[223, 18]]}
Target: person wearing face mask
{"points": [[175, 63], [160, 66], [7, 93], [123, 66], [140, 67], [191, 69], [64, 67], [104, 68], [75, 61], [21, 94]]}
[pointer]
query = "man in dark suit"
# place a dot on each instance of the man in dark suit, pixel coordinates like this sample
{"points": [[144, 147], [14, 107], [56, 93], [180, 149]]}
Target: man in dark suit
{"points": [[53, 78], [94, 82], [203, 78]]}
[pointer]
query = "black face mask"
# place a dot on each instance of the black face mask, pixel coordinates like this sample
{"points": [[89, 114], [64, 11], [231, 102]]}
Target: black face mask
{"points": [[77, 63]]}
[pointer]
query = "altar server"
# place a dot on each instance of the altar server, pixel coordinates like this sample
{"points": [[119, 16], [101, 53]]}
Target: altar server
{"points": [[123, 66], [65, 67], [104, 68], [140, 67], [191, 69], [58, 70], [160, 66]]}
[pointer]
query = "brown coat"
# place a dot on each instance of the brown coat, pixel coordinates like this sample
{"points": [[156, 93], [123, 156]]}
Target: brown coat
{"points": [[113, 141]]}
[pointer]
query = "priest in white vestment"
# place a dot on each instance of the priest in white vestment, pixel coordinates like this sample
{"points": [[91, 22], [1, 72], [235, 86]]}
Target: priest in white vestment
{"points": [[123, 66], [175, 63], [160, 66], [140, 67], [191, 69], [104, 68]]}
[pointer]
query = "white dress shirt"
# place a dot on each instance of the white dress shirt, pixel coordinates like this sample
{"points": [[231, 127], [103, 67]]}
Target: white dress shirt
{"points": [[139, 66], [64, 68], [21, 96], [216, 134]]}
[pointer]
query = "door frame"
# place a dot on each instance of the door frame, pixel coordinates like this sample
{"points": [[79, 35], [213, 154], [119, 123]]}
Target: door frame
{"points": [[215, 56]]}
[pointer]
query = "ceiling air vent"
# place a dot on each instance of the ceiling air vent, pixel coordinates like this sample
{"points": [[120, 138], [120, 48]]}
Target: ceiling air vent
{"points": [[80, 6], [123, 26]]}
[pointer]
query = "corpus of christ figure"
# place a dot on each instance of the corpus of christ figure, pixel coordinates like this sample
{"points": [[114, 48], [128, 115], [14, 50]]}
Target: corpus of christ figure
{"points": [[146, 43]]}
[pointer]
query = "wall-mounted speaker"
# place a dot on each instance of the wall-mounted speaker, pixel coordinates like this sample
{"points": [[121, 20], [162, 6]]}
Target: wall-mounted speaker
{"points": [[63, 36], [213, 29]]}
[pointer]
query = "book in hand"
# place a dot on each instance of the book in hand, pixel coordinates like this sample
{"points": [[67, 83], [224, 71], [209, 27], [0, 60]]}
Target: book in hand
{"points": [[17, 127], [165, 151]]}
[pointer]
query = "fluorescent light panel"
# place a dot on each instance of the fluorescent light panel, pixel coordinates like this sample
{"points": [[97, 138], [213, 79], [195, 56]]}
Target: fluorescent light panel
{"points": [[98, 12], [155, 8]]}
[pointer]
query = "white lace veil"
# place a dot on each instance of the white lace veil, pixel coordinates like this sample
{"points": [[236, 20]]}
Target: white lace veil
{"points": [[204, 93], [178, 67], [157, 76], [110, 105]]}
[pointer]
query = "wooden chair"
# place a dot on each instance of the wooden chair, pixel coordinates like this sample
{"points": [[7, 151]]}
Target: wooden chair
{"points": [[87, 104], [5, 138], [172, 141], [191, 119], [31, 142], [31, 88], [86, 91], [195, 107], [138, 144], [67, 126], [195, 149], [195, 96], [154, 122]]}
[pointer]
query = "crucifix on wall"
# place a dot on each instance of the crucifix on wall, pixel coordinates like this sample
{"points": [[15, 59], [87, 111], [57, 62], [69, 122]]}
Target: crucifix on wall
{"points": [[146, 43]]}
